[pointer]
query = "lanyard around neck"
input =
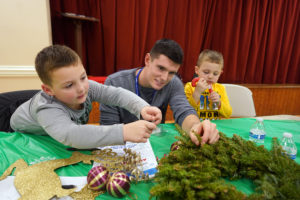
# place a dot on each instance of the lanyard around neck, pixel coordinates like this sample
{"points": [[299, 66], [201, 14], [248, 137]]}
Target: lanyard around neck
{"points": [[137, 91]]}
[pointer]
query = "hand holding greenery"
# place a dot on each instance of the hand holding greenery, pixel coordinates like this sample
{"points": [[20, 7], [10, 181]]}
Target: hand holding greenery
{"points": [[190, 172]]}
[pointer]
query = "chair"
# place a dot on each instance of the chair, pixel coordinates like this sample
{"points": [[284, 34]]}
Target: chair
{"points": [[9, 102], [241, 100]]}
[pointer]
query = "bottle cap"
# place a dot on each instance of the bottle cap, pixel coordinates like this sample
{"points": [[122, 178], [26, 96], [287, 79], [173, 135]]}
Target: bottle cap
{"points": [[260, 119], [287, 135]]}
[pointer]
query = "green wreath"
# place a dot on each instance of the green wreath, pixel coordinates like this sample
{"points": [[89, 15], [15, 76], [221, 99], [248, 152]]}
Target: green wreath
{"points": [[190, 172]]}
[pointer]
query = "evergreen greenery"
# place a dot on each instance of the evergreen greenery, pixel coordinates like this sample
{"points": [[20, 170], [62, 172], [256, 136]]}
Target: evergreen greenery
{"points": [[193, 172]]}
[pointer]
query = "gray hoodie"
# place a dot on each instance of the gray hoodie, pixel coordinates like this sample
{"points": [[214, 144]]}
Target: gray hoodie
{"points": [[43, 115]]}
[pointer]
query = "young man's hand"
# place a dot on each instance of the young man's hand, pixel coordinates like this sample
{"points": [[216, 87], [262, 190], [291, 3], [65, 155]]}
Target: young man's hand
{"points": [[208, 131], [138, 131], [151, 114]]}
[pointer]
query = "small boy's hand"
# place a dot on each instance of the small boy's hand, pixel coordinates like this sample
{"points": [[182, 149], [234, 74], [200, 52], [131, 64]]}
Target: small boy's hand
{"points": [[152, 114], [202, 85], [138, 131], [214, 97]]}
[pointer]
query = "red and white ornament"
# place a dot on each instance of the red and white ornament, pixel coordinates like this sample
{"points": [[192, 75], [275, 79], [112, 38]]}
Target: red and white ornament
{"points": [[118, 184], [97, 178], [175, 145]]}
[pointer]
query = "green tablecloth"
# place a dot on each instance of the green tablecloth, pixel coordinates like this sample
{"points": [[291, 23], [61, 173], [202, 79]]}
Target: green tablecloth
{"points": [[34, 149]]}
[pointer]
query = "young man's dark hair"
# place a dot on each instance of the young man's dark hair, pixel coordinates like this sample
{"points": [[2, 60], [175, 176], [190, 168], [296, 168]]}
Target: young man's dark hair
{"points": [[169, 48]]}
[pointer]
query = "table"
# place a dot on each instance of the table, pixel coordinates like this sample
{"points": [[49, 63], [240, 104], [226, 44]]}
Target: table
{"points": [[34, 149]]}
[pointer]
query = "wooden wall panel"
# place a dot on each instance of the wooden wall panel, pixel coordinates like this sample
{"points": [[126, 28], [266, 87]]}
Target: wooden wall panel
{"points": [[276, 99]]}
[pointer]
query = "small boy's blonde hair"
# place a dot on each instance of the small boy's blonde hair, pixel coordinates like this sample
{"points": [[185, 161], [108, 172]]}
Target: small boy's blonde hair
{"points": [[210, 56], [54, 57]]}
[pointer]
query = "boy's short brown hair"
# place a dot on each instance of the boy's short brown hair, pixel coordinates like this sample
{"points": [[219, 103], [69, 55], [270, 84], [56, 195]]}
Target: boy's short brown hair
{"points": [[210, 56], [54, 57]]}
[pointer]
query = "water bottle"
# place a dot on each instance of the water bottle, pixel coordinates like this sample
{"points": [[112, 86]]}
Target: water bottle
{"points": [[215, 105], [288, 145], [257, 131]]}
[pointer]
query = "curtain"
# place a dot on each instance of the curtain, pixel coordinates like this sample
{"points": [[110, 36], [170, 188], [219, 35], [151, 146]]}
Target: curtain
{"points": [[258, 39]]}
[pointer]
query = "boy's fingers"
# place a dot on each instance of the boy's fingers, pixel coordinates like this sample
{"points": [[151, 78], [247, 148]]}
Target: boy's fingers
{"points": [[150, 126], [153, 115], [153, 111], [144, 140], [148, 117], [157, 120], [157, 116]]}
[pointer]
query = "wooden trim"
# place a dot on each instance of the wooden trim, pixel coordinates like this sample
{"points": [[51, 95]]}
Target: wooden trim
{"points": [[16, 71], [280, 99], [250, 86]]}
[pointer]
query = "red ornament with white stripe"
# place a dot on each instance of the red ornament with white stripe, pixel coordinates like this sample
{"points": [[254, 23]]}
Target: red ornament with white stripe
{"points": [[118, 185], [97, 178]]}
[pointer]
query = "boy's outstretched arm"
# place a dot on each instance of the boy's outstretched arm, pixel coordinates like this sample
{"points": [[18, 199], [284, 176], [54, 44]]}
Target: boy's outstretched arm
{"points": [[151, 114]]}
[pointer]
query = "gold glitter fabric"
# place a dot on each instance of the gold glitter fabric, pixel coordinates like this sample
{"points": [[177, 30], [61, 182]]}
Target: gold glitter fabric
{"points": [[39, 181], [86, 194]]}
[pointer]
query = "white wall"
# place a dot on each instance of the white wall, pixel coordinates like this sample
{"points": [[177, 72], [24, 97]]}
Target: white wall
{"points": [[25, 28]]}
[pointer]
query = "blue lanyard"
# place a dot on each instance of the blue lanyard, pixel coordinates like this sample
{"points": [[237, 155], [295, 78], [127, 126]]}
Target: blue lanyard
{"points": [[137, 82], [137, 91]]}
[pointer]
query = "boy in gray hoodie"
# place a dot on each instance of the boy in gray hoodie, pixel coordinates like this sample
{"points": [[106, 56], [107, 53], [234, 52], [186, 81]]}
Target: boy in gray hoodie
{"points": [[62, 108]]}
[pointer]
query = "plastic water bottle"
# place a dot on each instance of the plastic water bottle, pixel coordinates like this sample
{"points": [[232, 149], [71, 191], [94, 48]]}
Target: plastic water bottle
{"points": [[214, 105], [288, 145], [257, 131]]}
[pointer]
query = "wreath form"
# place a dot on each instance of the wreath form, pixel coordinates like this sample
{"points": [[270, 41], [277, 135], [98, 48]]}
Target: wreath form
{"points": [[190, 172]]}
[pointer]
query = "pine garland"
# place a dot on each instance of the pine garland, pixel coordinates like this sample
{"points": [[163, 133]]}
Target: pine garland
{"points": [[193, 172]]}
